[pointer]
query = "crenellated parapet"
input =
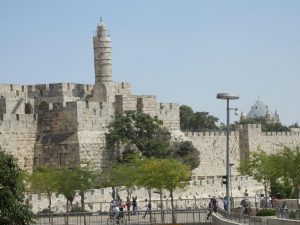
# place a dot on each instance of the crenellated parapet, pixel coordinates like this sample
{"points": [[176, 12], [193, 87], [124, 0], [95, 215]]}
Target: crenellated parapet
{"points": [[285, 133], [211, 134], [123, 88]]}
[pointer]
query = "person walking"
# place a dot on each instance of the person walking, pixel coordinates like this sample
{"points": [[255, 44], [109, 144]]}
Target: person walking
{"points": [[245, 205], [147, 207], [213, 207], [283, 211]]}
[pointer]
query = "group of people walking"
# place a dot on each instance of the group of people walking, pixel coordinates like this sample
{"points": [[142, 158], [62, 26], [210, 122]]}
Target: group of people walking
{"points": [[131, 206], [213, 205]]}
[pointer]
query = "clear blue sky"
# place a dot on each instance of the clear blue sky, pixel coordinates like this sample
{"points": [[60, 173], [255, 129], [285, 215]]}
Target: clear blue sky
{"points": [[181, 51]]}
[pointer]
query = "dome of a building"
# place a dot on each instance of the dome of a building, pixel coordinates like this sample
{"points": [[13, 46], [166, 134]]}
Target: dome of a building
{"points": [[259, 109]]}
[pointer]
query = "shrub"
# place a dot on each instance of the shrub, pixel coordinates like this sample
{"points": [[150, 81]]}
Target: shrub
{"points": [[266, 212], [77, 208], [44, 211]]}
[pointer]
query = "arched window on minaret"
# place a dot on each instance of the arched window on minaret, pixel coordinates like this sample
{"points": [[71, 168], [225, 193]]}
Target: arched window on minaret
{"points": [[28, 108]]}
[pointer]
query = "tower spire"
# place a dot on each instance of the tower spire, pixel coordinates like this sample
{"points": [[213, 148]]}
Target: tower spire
{"points": [[103, 89], [102, 54]]}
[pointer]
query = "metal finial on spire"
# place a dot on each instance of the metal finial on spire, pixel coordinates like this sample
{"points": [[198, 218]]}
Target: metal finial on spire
{"points": [[101, 19]]}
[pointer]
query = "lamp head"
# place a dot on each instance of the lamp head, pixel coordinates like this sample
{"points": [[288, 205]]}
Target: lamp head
{"points": [[236, 112], [227, 96]]}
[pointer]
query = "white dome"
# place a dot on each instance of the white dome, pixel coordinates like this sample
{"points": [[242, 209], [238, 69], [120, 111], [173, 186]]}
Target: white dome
{"points": [[258, 110]]}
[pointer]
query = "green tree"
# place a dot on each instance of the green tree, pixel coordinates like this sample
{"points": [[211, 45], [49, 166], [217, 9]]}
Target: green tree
{"points": [[166, 174], [44, 180], [186, 117], [12, 209], [260, 166], [288, 167], [186, 153], [86, 180], [67, 184], [125, 174], [196, 121], [294, 125], [266, 126], [139, 131]]}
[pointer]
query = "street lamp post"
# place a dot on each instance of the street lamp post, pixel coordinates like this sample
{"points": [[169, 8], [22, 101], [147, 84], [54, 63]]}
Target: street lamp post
{"points": [[227, 97], [230, 172]]}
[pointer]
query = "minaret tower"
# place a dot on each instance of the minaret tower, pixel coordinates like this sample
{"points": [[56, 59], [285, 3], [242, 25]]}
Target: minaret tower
{"points": [[104, 86]]}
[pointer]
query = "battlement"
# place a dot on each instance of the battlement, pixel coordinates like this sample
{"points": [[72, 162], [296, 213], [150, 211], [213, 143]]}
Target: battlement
{"points": [[18, 117], [18, 123], [296, 134], [94, 108], [168, 106], [248, 126], [49, 90], [12, 87], [210, 134], [123, 88]]}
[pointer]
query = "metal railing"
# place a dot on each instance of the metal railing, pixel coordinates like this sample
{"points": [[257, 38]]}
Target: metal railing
{"points": [[243, 219], [131, 218], [282, 217], [288, 213]]}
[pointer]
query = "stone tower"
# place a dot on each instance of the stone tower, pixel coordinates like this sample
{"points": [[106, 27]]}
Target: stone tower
{"points": [[104, 86]]}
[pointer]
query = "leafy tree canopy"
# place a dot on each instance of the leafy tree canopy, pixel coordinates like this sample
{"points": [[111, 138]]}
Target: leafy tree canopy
{"points": [[280, 172], [259, 165], [139, 132], [266, 126], [67, 181], [186, 153], [12, 209], [44, 180], [196, 121], [166, 174], [288, 168]]}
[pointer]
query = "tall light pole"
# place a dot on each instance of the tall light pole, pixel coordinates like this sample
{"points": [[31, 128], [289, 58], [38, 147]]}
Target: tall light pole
{"points": [[227, 97]]}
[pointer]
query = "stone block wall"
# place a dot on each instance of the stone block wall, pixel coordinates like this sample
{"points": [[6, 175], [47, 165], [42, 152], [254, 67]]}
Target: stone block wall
{"points": [[13, 98], [169, 114], [18, 136], [273, 142], [56, 137], [92, 120], [212, 148], [252, 138], [123, 88]]}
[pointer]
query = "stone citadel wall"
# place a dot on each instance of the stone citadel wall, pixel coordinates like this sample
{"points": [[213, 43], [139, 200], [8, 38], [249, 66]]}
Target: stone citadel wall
{"points": [[69, 127], [243, 141], [18, 136], [197, 195], [63, 132]]}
